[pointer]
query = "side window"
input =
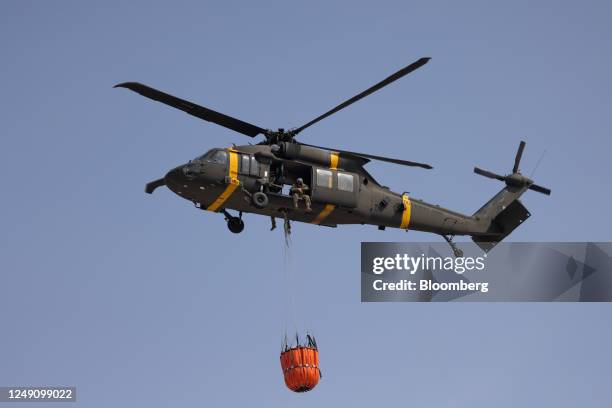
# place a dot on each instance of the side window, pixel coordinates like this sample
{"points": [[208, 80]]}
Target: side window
{"points": [[345, 182], [220, 156], [245, 161], [254, 166], [324, 178]]}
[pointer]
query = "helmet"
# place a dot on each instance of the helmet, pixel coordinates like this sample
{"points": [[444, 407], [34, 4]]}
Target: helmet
{"points": [[299, 180]]}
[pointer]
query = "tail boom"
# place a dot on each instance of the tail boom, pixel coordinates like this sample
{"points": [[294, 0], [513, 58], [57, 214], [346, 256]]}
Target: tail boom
{"points": [[493, 222]]}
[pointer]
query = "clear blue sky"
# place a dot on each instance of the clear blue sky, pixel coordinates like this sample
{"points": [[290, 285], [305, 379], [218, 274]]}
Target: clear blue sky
{"points": [[144, 301]]}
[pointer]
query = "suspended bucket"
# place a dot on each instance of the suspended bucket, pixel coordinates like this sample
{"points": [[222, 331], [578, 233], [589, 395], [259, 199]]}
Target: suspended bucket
{"points": [[300, 366]]}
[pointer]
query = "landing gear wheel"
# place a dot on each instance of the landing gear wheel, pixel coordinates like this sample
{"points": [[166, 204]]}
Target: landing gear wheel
{"points": [[235, 224], [260, 199]]}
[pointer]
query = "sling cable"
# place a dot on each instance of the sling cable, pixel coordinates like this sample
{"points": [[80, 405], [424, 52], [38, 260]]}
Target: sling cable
{"points": [[299, 360]]}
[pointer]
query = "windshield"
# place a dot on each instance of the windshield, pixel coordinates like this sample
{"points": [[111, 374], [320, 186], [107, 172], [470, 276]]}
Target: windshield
{"points": [[206, 155], [214, 156]]}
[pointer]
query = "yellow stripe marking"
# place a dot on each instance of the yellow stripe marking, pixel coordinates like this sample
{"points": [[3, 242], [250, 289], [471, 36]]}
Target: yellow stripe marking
{"points": [[324, 213], [333, 165], [333, 160], [406, 213], [234, 182]]}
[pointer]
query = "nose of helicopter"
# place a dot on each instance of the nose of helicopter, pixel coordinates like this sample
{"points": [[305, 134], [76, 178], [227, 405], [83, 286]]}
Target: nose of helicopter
{"points": [[177, 175], [184, 179], [180, 178], [177, 179]]}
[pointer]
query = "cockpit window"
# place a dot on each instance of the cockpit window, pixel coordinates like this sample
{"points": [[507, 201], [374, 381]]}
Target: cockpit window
{"points": [[219, 156], [214, 156], [207, 155]]}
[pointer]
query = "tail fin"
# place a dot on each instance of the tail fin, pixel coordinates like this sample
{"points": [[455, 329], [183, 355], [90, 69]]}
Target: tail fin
{"points": [[504, 212]]}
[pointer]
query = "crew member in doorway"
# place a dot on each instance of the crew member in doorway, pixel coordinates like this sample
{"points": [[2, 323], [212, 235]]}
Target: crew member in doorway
{"points": [[299, 192]]}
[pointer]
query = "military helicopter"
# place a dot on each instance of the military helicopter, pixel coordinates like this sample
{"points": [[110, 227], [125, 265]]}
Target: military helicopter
{"points": [[257, 178]]}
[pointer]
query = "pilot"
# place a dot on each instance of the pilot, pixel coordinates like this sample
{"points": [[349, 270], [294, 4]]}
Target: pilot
{"points": [[299, 192]]}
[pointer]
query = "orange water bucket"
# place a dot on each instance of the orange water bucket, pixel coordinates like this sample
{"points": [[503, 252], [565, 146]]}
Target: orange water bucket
{"points": [[301, 368]]}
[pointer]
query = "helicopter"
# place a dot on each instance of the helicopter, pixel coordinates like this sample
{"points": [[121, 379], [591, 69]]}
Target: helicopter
{"points": [[258, 179]]}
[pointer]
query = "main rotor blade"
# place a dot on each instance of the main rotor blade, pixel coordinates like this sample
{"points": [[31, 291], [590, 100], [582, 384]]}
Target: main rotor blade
{"points": [[404, 71], [371, 156], [488, 174], [519, 154], [194, 109], [540, 189]]}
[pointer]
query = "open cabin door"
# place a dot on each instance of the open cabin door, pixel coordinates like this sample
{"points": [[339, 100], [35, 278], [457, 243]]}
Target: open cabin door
{"points": [[334, 187]]}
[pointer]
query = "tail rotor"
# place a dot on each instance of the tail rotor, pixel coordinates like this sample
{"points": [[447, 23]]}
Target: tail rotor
{"points": [[515, 179], [519, 155]]}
